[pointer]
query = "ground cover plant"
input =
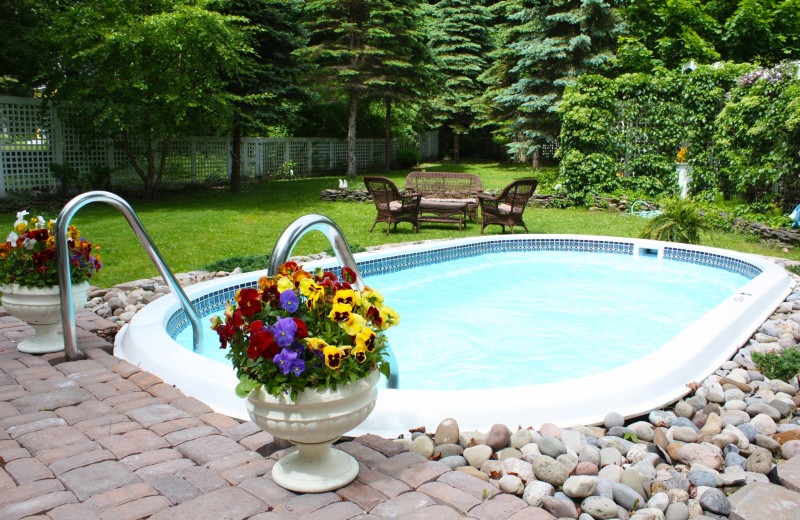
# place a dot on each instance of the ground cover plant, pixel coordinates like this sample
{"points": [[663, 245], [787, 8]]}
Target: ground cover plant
{"points": [[193, 228]]}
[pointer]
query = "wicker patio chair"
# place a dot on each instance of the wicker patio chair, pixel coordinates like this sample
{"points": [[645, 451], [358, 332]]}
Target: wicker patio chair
{"points": [[391, 205], [506, 209]]}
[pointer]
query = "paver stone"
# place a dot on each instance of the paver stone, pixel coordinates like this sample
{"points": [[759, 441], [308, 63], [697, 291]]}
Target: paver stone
{"points": [[229, 503], [98, 478]]}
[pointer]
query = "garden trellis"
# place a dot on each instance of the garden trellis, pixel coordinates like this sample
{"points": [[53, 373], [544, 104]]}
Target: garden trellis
{"points": [[31, 139]]}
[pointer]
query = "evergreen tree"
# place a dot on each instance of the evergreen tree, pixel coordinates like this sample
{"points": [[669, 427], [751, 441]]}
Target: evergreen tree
{"points": [[358, 47], [267, 88], [460, 43], [555, 43]]}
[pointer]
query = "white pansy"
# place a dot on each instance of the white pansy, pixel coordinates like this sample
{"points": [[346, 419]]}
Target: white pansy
{"points": [[20, 217], [29, 243], [12, 238], [40, 223]]}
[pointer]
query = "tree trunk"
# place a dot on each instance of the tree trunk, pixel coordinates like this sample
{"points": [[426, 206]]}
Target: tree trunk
{"points": [[456, 148], [236, 155], [351, 135], [536, 157], [387, 145]]}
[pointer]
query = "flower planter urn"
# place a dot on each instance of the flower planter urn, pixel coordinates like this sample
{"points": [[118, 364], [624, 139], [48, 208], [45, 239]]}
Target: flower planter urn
{"points": [[317, 419], [40, 307], [684, 178]]}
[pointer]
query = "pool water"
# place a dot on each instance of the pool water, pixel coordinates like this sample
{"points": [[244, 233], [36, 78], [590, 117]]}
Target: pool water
{"points": [[527, 318]]}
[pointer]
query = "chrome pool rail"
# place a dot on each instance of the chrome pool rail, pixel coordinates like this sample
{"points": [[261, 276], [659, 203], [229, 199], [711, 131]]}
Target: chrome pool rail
{"points": [[65, 281], [295, 231]]}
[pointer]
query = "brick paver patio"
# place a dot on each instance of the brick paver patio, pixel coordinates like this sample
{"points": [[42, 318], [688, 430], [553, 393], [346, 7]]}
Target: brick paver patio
{"points": [[99, 438]]}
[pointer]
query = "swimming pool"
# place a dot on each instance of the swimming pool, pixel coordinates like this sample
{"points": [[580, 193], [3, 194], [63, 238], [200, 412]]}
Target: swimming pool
{"points": [[658, 377]]}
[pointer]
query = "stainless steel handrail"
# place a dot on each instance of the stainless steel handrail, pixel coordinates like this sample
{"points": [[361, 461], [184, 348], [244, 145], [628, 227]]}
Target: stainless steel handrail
{"points": [[295, 231], [65, 280]]}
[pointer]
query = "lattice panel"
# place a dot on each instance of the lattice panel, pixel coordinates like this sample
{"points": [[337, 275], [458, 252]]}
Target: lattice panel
{"points": [[429, 146], [340, 156], [273, 156], [211, 158], [27, 148], [249, 158], [297, 153], [321, 156]]}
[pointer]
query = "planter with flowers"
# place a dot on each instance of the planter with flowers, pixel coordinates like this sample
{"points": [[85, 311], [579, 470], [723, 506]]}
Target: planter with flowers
{"points": [[308, 350], [684, 171], [29, 278]]}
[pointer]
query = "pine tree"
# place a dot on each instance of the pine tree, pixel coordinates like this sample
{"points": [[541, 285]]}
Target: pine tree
{"points": [[556, 42], [358, 47], [269, 87], [460, 43]]}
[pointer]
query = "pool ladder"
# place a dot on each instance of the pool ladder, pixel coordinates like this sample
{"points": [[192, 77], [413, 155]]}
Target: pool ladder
{"points": [[65, 280], [283, 248], [295, 231]]}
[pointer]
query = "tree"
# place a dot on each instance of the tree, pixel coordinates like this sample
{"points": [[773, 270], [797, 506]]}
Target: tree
{"points": [[146, 72], [355, 51], [268, 88], [556, 43], [26, 50], [460, 43], [404, 72]]}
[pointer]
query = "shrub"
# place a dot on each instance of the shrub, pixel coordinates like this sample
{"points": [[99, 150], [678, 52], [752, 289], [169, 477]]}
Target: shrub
{"points": [[679, 221], [246, 263], [407, 157], [784, 365]]}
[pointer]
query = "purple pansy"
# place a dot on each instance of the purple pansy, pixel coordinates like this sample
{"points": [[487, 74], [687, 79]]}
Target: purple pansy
{"points": [[284, 331], [289, 300], [287, 362]]}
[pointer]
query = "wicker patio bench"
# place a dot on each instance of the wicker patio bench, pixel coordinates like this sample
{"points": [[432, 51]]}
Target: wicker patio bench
{"points": [[446, 196]]}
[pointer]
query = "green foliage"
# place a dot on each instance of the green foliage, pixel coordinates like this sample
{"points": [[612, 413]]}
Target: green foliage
{"points": [[547, 45], [459, 41], [641, 121], [97, 178], [407, 157], [245, 262], [784, 365], [591, 174], [758, 131], [680, 221], [793, 269]]}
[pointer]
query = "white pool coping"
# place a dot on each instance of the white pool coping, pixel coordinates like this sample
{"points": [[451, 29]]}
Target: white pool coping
{"points": [[648, 383]]}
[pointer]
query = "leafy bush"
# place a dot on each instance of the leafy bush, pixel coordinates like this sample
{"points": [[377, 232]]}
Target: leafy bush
{"points": [[679, 221], [246, 263], [758, 131], [407, 157], [784, 365]]}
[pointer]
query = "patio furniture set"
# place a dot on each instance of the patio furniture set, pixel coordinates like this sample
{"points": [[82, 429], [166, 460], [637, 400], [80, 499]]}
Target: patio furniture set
{"points": [[448, 198]]}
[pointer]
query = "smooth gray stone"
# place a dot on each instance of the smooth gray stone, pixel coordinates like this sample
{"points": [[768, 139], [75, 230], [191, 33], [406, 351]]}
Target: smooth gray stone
{"points": [[730, 448], [551, 446], [627, 497], [715, 501], [677, 511], [560, 508], [683, 421], [734, 459], [620, 431], [454, 461], [613, 419], [749, 431], [701, 478]]}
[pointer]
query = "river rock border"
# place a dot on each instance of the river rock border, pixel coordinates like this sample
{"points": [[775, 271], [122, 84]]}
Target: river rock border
{"points": [[729, 447]]}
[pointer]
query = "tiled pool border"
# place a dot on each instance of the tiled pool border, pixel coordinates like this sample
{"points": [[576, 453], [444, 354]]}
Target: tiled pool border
{"points": [[216, 300]]}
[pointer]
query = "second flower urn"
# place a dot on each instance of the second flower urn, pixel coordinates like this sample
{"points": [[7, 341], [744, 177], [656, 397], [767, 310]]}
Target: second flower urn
{"points": [[313, 422]]}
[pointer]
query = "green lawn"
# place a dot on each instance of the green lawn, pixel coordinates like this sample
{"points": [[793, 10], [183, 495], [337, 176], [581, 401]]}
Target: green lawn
{"points": [[195, 227]]}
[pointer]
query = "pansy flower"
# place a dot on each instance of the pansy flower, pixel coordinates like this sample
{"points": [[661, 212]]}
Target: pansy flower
{"points": [[287, 268], [360, 353], [262, 344], [289, 301], [348, 275], [345, 296], [340, 312], [302, 329], [316, 344], [249, 301], [354, 324], [287, 362], [285, 284], [284, 331], [333, 357], [311, 291], [366, 339]]}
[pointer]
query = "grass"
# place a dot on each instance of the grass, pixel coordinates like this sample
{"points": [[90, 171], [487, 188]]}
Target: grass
{"points": [[193, 228]]}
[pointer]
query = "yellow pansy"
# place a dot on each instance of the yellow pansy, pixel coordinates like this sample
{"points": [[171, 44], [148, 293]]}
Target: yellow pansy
{"points": [[312, 291], [285, 284], [354, 324], [366, 339], [333, 357], [360, 353], [340, 312], [316, 344], [345, 296], [372, 296]]}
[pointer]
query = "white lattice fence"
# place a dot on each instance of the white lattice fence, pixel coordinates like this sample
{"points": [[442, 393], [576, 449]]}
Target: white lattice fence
{"points": [[31, 140]]}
